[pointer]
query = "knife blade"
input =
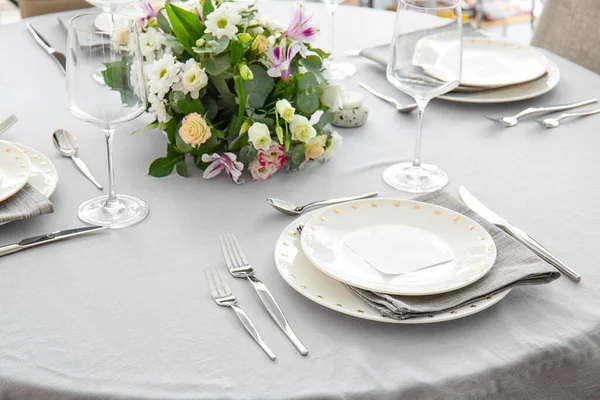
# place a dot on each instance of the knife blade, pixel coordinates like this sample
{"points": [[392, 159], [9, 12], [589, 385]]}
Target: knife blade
{"points": [[48, 238], [57, 56], [516, 233]]}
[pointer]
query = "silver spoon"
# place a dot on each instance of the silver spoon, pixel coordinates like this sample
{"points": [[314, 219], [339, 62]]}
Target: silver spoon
{"points": [[67, 146], [514, 120], [401, 108], [291, 209], [555, 122]]}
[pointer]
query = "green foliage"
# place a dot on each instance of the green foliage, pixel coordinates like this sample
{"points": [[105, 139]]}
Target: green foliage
{"points": [[163, 23], [325, 119], [217, 65], [296, 155], [186, 26], [247, 153], [207, 8], [162, 167], [181, 168], [259, 88]]}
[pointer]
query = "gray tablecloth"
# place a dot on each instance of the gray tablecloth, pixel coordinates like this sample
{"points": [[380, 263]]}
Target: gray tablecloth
{"points": [[127, 314]]}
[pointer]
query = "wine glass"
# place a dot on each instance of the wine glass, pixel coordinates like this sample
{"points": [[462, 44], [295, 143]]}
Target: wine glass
{"points": [[425, 61], [337, 70], [119, 57]]}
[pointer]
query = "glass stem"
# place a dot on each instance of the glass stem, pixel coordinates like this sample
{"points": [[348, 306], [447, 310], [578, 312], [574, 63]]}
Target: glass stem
{"points": [[332, 16], [112, 195], [421, 104]]}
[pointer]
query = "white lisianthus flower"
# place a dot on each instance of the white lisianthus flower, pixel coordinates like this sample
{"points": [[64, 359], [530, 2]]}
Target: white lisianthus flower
{"points": [[151, 41], [223, 21], [257, 30], [158, 108], [334, 145], [333, 97], [301, 129], [267, 22], [162, 74], [259, 136], [285, 110], [192, 80]]}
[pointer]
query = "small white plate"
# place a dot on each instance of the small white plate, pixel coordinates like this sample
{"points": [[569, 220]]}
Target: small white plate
{"points": [[44, 177], [509, 94], [353, 242], [15, 169], [301, 275], [105, 25]]}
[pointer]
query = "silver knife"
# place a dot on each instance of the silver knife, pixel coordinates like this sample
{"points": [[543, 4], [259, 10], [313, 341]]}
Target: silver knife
{"points": [[57, 56], [48, 238], [517, 233]]}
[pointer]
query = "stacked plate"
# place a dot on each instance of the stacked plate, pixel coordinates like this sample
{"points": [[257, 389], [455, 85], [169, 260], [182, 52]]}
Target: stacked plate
{"points": [[391, 246], [19, 165]]}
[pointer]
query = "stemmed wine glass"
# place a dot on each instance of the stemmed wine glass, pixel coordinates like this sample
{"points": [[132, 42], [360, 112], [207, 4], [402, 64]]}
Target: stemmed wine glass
{"points": [[120, 59], [425, 61], [337, 70]]}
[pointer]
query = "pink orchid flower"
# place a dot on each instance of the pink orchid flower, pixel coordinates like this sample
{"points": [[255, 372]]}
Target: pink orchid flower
{"points": [[300, 29], [223, 162], [279, 60], [148, 10]]}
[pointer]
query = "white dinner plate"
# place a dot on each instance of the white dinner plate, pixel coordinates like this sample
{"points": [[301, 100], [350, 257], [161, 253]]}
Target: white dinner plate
{"points": [[306, 279], [508, 94], [15, 169], [391, 246], [104, 24], [44, 177], [487, 63]]}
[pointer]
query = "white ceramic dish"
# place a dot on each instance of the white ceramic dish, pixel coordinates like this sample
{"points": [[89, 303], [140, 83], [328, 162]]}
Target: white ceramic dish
{"points": [[509, 94], [310, 282], [391, 245], [15, 170], [44, 177], [105, 25]]}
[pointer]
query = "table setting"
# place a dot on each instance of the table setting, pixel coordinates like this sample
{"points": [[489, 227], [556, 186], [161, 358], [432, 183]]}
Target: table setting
{"points": [[245, 159]]}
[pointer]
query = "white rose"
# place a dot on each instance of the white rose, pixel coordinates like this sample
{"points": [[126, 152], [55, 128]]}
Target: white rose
{"points": [[193, 79], [285, 110], [334, 145], [301, 128], [333, 97], [260, 136]]}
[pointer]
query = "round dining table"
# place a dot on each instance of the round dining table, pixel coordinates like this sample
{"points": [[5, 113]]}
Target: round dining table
{"points": [[127, 314]]}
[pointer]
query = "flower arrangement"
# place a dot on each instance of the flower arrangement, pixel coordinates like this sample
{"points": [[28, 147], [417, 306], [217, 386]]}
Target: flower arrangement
{"points": [[232, 89]]}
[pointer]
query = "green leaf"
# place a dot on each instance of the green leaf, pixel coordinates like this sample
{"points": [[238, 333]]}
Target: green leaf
{"points": [[216, 46], [241, 92], [217, 65], [172, 152], [174, 98], [149, 127], [211, 108], [207, 8], [223, 89], [188, 106], [161, 167], [312, 63], [247, 153], [259, 88], [170, 127], [236, 51], [297, 154], [325, 119], [181, 145], [239, 142], [307, 80], [308, 103], [181, 168], [323, 54], [186, 27], [163, 23]]}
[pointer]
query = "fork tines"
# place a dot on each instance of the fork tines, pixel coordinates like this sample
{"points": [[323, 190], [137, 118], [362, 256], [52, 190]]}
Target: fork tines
{"points": [[7, 123], [218, 287], [233, 254]]}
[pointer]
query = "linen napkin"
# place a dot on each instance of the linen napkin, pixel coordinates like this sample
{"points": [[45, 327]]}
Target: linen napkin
{"points": [[26, 203], [515, 265]]}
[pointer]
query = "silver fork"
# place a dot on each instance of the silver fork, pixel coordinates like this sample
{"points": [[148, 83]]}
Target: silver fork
{"points": [[239, 267], [7, 123], [514, 120], [224, 297]]}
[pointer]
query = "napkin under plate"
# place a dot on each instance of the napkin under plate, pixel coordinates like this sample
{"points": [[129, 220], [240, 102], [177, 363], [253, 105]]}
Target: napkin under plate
{"points": [[515, 265], [26, 203]]}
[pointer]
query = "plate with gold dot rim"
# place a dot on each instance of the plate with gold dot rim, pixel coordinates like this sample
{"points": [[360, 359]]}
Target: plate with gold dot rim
{"points": [[15, 170], [297, 271], [353, 242], [44, 177]]}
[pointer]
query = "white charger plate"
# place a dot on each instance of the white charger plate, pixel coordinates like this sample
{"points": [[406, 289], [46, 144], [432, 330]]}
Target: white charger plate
{"points": [[15, 170], [44, 177], [509, 94], [310, 282], [347, 242], [104, 24]]}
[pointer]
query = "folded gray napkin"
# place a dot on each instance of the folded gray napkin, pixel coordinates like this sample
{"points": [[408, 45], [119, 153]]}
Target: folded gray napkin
{"points": [[26, 203], [515, 265]]}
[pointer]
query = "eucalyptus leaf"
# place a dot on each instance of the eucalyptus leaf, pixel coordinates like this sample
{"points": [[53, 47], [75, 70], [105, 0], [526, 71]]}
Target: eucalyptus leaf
{"points": [[227, 97], [217, 65], [312, 63], [181, 168], [217, 46], [325, 119], [188, 106], [297, 154], [307, 80], [259, 88], [161, 167], [247, 153], [308, 103], [210, 107]]}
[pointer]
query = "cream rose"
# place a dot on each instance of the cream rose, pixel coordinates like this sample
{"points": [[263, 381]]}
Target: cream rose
{"points": [[285, 110], [301, 128], [260, 43], [121, 38], [333, 97], [194, 130], [260, 136], [315, 147]]}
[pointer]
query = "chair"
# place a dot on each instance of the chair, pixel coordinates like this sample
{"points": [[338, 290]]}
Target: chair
{"points": [[30, 8], [570, 29]]}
